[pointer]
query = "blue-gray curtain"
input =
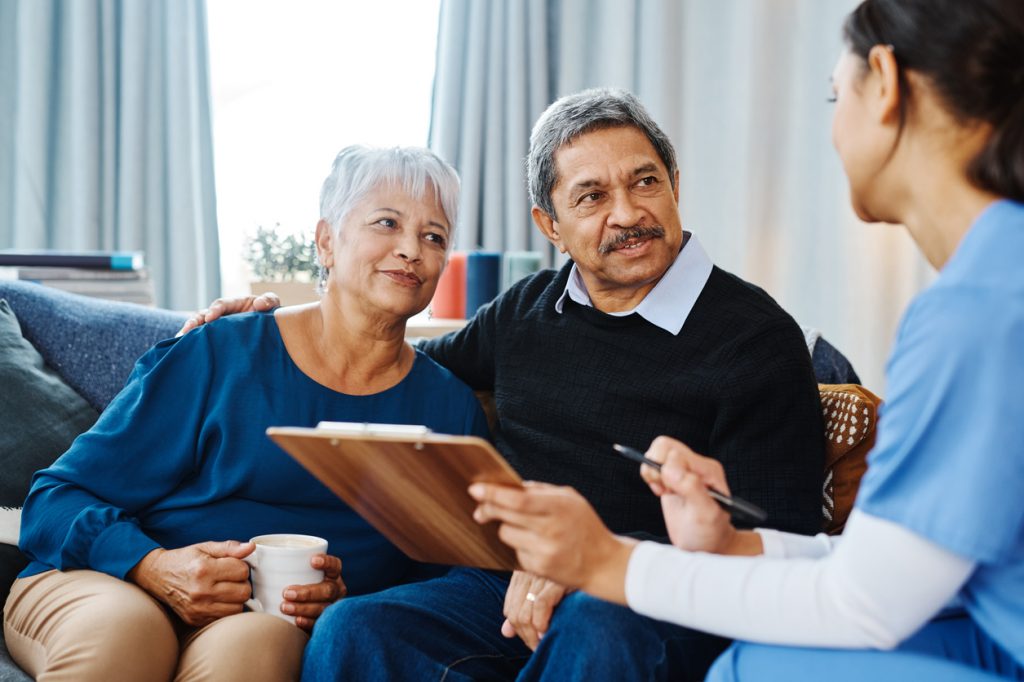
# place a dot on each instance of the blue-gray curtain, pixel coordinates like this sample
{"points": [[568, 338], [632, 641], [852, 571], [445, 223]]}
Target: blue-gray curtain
{"points": [[493, 78], [740, 86], [105, 135]]}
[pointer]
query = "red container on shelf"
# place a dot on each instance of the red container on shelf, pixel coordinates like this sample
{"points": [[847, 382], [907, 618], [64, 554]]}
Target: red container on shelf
{"points": [[449, 300]]}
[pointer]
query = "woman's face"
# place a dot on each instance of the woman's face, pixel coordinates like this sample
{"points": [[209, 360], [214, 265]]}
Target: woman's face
{"points": [[390, 252], [864, 147]]}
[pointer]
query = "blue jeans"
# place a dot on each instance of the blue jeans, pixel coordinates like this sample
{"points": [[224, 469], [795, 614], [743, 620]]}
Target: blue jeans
{"points": [[951, 649], [449, 629]]}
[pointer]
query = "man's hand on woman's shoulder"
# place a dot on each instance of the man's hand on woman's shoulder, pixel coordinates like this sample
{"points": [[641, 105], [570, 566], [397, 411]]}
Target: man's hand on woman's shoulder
{"points": [[229, 306]]}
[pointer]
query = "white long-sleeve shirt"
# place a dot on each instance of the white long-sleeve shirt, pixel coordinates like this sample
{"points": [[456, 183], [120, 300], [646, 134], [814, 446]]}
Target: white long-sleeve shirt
{"points": [[871, 590]]}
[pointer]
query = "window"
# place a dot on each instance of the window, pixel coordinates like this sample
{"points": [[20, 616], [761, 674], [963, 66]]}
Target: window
{"points": [[293, 83]]}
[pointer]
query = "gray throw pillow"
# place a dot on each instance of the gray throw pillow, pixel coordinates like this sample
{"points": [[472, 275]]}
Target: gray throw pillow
{"points": [[40, 416]]}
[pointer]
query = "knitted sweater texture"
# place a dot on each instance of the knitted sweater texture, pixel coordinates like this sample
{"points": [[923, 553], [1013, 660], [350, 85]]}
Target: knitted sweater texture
{"points": [[735, 384]]}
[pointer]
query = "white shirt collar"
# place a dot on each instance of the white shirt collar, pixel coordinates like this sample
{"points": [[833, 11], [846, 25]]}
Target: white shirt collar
{"points": [[670, 301]]}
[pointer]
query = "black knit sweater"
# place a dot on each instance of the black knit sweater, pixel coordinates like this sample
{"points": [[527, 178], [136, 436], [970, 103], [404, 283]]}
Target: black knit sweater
{"points": [[735, 384]]}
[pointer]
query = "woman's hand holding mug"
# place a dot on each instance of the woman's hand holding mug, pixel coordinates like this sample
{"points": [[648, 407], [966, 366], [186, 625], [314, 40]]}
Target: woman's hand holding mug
{"points": [[201, 582], [294, 578]]}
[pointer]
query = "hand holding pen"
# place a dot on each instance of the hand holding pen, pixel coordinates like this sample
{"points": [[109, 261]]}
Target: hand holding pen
{"points": [[740, 509], [695, 499], [557, 534]]}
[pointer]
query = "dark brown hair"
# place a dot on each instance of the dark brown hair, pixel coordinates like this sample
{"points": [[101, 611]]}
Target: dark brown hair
{"points": [[972, 52]]}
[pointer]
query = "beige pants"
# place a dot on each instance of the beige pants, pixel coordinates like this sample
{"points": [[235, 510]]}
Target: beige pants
{"points": [[84, 625]]}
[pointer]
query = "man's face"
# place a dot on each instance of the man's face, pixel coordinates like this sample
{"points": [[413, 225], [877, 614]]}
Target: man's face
{"points": [[618, 215]]}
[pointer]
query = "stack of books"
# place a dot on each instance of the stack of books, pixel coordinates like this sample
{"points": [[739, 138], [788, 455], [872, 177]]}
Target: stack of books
{"points": [[111, 275]]}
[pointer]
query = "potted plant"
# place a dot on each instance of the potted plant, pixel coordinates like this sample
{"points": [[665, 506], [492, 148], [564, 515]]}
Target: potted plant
{"points": [[283, 262]]}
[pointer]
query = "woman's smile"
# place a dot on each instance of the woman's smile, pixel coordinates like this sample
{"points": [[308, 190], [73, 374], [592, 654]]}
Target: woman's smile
{"points": [[405, 278]]}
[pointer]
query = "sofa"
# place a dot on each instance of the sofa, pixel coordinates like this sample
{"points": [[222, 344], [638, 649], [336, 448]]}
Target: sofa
{"points": [[63, 357], [75, 355]]}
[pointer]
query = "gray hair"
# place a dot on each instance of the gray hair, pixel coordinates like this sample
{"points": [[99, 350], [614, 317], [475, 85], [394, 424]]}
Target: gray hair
{"points": [[574, 115], [358, 170]]}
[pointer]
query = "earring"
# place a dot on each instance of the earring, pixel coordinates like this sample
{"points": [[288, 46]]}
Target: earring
{"points": [[321, 279]]}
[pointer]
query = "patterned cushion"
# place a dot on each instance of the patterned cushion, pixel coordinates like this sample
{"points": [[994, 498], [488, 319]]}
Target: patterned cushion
{"points": [[850, 413]]}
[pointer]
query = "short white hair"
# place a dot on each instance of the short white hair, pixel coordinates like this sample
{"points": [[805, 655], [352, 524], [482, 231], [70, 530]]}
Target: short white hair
{"points": [[358, 170]]}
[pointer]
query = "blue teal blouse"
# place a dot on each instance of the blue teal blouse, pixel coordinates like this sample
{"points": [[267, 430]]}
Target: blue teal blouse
{"points": [[180, 457]]}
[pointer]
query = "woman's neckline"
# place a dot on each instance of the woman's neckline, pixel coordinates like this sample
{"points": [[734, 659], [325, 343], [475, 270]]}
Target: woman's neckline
{"points": [[289, 353]]}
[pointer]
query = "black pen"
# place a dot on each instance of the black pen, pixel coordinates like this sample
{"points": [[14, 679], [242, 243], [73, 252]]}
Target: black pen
{"points": [[740, 509]]}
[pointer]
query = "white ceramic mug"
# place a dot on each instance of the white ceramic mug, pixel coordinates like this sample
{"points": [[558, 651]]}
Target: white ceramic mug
{"points": [[280, 560]]}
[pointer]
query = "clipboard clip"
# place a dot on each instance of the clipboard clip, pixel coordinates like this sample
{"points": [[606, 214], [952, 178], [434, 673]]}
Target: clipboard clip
{"points": [[368, 429]]}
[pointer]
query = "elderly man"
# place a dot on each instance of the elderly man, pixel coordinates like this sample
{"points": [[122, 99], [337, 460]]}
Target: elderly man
{"points": [[639, 335]]}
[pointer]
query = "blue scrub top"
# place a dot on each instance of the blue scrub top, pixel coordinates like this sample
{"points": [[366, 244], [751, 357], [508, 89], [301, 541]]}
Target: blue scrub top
{"points": [[949, 460], [180, 457]]}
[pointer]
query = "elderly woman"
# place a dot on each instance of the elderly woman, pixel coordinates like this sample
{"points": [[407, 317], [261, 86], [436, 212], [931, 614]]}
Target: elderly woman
{"points": [[135, 534]]}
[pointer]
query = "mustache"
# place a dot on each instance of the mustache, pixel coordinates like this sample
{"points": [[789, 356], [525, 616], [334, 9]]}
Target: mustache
{"points": [[638, 232]]}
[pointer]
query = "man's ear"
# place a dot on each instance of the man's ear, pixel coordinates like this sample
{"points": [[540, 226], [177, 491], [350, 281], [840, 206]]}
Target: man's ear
{"points": [[548, 226], [884, 84], [325, 243], [675, 189]]}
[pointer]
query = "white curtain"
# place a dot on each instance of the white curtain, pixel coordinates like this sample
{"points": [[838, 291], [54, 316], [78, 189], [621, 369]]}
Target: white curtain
{"points": [[105, 135], [740, 86]]}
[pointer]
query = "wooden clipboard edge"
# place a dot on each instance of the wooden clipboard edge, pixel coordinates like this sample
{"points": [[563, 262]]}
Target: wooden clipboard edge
{"points": [[508, 474], [432, 438]]}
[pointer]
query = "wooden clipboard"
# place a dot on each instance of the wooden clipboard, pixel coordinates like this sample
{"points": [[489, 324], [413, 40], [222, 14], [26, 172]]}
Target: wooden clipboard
{"points": [[411, 488]]}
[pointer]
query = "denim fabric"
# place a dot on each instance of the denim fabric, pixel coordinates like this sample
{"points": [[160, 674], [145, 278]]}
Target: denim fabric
{"points": [[945, 650], [450, 629]]}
